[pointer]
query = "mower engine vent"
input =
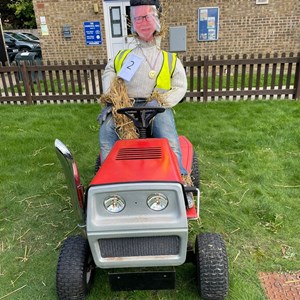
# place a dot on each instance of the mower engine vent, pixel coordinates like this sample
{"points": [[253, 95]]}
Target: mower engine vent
{"points": [[139, 153]]}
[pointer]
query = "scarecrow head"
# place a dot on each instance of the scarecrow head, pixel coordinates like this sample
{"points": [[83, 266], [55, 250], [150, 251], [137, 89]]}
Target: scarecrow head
{"points": [[144, 16]]}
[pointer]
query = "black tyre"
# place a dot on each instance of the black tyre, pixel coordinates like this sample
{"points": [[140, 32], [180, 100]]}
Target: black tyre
{"points": [[212, 266], [75, 269], [98, 163], [195, 175]]}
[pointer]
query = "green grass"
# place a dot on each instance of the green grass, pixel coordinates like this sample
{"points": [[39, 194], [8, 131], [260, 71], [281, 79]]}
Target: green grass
{"points": [[209, 83], [249, 158], [261, 81], [47, 83]]}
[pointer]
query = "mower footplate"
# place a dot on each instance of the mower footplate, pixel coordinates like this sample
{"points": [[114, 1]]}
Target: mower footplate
{"points": [[143, 280]]}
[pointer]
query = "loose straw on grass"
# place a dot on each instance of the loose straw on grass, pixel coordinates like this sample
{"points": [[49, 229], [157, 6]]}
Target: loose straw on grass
{"points": [[9, 294]]}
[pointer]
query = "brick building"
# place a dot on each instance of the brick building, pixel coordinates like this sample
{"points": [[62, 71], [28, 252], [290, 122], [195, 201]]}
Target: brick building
{"points": [[243, 27]]}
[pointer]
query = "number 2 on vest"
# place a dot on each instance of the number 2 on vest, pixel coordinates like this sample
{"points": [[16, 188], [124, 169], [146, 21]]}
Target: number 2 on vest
{"points": [[130, 66]]}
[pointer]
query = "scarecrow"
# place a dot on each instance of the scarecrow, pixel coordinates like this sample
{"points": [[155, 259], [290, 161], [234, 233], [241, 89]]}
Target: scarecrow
{"points": [[143, 76]]}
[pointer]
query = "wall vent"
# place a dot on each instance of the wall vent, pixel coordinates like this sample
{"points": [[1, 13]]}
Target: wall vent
{"points": [[262, 1]]}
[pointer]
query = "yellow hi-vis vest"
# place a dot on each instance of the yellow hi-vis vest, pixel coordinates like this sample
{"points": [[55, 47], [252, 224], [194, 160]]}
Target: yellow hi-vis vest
{"points": [[163, 79]]}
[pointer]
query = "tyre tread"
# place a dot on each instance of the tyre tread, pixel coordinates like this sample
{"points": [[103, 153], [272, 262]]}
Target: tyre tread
{"points": [[212, 266], [70, 274], [195, 174]]}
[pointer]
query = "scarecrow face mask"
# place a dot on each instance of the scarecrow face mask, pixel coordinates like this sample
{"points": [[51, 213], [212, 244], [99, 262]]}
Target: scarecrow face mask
{"points": [[145, 21]]}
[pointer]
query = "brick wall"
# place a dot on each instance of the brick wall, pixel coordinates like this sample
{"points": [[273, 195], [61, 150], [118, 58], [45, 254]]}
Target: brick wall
{"points": [[244, 27], [72, 13], [33, 31]]}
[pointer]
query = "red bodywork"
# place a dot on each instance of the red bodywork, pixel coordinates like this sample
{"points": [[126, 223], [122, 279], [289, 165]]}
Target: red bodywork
{"points": [[187, 153], [145, 160]]}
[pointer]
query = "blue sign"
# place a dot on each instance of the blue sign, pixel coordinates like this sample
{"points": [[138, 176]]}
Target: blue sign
{"points": [[92, 32], [208, 24]]}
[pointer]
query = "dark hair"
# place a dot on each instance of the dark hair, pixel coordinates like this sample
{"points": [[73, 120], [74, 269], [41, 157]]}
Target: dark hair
{"points": [[146, 2]]}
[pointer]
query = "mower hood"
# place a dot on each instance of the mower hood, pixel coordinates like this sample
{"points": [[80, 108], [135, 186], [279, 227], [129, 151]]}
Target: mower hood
{"points": [[140, 160]]}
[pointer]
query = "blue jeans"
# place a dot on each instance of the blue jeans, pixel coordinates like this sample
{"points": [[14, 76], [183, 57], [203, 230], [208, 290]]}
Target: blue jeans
{"points": [[163, 126]]}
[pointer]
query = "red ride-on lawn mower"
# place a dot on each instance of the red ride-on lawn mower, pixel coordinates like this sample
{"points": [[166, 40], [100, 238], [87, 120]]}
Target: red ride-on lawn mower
{"points": [[134, 216]]}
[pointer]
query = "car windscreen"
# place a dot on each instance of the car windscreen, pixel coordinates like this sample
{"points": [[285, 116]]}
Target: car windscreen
{"points": [[18, 37]]}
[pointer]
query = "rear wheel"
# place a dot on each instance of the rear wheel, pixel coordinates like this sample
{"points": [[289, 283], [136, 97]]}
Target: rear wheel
{"points": [[195, 171], [212, 266], [75, 269], [98, 163]]}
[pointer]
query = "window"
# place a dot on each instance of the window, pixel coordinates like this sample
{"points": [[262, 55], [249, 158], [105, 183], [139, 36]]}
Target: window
{"points": [[116, 21]]}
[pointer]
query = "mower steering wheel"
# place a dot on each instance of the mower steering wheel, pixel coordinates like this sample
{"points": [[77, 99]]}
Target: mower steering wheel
{"points": [[141, 116]]}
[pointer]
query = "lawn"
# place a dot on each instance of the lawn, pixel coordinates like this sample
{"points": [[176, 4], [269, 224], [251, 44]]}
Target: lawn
{"points": [[246, 81], [249, 159], [51, 87]]}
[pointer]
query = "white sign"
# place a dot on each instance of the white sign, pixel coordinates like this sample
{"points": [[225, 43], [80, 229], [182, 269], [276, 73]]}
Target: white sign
{"points": [[43, 20], [130, 66]]}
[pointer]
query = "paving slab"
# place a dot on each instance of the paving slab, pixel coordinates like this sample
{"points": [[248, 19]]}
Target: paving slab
{"points": [[281, 286]]}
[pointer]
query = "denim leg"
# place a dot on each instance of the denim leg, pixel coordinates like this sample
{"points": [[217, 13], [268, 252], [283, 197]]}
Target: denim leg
{"points": [[107, 136], [164, 127]]}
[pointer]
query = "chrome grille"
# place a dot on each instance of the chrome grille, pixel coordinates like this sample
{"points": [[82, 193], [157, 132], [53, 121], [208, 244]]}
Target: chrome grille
{"points": [[139, 246]]}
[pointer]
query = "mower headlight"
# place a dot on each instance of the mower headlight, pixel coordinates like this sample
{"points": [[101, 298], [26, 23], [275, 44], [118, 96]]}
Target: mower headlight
{"points": [[114, 204], [157, 201]]}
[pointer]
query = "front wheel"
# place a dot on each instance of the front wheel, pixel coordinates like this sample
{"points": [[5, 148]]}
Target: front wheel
{"points": [[212, 266], [75, 269]]}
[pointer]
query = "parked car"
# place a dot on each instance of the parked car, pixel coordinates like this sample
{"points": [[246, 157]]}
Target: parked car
{"points": [[11, 48], [23, 44], [30, 36], [23, 36]]}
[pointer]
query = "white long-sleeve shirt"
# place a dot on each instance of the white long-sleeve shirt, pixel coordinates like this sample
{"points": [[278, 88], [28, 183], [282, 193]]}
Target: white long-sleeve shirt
{"points": [[141, 85]]}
